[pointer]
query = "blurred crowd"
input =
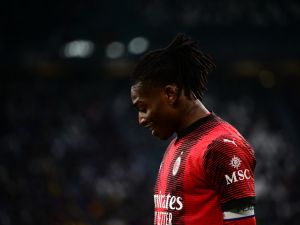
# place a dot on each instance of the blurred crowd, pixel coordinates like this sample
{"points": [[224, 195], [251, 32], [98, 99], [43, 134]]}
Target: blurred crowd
{"points": [[219, 13], [72, 153]]}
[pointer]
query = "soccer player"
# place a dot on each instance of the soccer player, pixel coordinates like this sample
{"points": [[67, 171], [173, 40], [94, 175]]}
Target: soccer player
{"points": [[206, 175]]}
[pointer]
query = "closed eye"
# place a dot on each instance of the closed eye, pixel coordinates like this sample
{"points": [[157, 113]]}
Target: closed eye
{"points": [[140, 108]]}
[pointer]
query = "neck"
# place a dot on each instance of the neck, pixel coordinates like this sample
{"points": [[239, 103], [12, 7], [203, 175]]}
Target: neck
{"points": [[192, 111]]}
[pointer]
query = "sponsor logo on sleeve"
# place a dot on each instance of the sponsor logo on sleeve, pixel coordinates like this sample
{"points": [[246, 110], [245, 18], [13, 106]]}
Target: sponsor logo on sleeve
{"points": [[235, 162], [237, 175]]}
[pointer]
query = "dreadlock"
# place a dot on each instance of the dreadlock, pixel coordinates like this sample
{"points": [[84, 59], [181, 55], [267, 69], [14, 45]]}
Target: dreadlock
{"points": [[181, 62]]}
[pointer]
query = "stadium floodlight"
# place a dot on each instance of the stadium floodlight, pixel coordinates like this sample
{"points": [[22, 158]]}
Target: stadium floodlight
{"points": [[79, 49], [138, 45], [115, 50]]}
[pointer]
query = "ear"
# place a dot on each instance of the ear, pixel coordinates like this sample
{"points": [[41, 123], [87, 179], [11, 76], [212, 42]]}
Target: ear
{"points": [[171, 92]]}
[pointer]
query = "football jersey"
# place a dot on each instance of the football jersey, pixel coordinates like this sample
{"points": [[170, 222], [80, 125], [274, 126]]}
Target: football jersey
{"points": [[207, 170]]}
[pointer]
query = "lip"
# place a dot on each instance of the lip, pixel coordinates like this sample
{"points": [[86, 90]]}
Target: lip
{"points": [[149, 126]]}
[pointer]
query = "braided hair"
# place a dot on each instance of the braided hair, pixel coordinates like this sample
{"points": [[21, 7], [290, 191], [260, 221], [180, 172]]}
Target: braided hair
{"points": [[180, 63]]}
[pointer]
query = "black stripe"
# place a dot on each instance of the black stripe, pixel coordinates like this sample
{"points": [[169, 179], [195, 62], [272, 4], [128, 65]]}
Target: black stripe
{"points": [[195, 125], [238, 204]]}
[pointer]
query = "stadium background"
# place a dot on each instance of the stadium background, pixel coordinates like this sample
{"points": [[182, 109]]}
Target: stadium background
{"points": [[71, 151]]}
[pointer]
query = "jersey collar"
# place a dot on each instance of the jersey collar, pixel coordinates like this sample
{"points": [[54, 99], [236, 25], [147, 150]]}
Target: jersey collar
{"points": [[195, 125]]}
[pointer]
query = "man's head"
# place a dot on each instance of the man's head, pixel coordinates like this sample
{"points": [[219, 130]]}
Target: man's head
{"points": [[164, 80]]}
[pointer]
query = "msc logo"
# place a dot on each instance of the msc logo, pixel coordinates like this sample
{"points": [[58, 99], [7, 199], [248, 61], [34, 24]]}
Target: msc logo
{"points": [[235, 162], [237, 176]]}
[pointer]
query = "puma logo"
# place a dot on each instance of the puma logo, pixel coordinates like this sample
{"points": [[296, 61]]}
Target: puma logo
{"points": [[230, 141]]}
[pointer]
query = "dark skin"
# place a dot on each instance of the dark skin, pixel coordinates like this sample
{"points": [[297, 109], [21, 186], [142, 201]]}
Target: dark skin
{"points": [[165, 110]]}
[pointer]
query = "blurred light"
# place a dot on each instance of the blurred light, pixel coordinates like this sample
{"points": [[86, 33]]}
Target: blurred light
{"points": [[291, 67], [138, 45], [247, 68], [118, 68], [79, 49], [115, 50], [267, 78]]}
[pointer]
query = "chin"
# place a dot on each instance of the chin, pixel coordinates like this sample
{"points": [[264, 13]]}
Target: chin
{"points": [[163, 136]]}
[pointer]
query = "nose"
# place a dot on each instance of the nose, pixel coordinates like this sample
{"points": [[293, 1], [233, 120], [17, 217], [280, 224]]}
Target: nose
{"points": [[142, 120]]}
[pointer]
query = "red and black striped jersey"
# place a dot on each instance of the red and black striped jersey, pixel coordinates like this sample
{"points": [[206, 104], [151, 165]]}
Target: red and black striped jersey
{"points": [[207, 170]]}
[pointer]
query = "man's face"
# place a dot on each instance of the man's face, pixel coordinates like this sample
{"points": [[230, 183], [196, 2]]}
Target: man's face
{"points": [[154, 110]]}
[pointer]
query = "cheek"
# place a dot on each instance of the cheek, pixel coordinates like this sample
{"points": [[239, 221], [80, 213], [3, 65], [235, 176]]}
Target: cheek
{"points": [[162, 115], [163, 118]]}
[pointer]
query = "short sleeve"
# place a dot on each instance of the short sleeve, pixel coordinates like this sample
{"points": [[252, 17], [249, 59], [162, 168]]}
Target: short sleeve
{"points": [[229, 164]]}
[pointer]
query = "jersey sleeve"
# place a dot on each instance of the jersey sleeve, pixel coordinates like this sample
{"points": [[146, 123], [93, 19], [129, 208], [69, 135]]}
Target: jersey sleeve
{"points": [[229, 164]]}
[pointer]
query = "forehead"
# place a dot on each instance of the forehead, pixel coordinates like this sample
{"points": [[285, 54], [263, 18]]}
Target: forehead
{"points": [[140, 91]]}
